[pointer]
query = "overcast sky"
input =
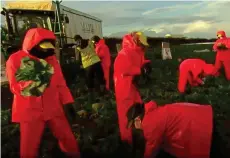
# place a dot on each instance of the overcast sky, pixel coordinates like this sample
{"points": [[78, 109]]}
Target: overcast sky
{"points": [[194, 18], [157, 18]]}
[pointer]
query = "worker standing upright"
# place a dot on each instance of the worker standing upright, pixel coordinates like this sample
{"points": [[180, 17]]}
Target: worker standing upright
{"points": [[103, 52], [39, 102], [128, 64], [222, 47]]}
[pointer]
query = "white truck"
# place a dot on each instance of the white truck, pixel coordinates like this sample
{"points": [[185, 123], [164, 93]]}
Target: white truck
{"points": [[65, 22]]}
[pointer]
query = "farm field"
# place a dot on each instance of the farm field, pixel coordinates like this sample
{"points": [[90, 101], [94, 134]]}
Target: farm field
{"points": [[98, 134]]}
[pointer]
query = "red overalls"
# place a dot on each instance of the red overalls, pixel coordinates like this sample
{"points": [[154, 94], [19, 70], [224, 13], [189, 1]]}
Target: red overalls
{"points": [[33, 113]]}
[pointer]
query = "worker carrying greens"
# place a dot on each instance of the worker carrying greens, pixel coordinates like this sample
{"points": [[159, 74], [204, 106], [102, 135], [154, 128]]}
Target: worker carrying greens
{"points": [[193, 71], [129, 63], [91, 64], [183, 130], [103, 52], [222, 47], [41, 96]]}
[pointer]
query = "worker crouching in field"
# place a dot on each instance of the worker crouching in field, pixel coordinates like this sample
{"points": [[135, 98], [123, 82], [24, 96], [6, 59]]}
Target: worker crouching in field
{"points": [[192, 71], [128, 64], [91, 64], [183, 130], [103, 52], [40, 93], [222, 47]]}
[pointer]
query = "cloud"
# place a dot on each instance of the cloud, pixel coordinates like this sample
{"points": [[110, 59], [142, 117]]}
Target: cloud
{"points": [[172, 8], [197, 26], [204, 20]]}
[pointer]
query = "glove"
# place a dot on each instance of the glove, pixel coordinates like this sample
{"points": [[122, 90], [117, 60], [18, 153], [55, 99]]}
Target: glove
{"points": [[70, 113], [147, 69], [221, 46]]}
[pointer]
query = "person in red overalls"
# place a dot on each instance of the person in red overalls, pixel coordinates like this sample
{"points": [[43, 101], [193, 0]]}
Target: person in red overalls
{"points": [[182, 130], [128, 64], [192, 71], [222, 47], [33, 113], [103, 52]]}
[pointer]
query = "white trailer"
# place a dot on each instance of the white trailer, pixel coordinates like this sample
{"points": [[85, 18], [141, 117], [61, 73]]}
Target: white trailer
{"points": [[80, 23]]}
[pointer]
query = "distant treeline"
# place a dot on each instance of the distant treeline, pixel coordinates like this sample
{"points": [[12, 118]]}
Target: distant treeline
{"points": [[156, 42]]}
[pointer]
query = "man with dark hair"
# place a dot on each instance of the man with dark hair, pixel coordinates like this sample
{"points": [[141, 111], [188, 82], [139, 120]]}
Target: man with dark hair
{"points": [[184, 130], [91, 64], [103, 52]]}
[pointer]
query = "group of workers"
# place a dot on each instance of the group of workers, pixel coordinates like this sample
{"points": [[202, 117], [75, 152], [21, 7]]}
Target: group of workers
{"points": [[176, 128]]}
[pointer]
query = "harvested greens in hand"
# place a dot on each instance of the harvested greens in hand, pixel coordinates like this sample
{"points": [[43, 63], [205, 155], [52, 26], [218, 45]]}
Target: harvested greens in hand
{"points": [[37, 71]]}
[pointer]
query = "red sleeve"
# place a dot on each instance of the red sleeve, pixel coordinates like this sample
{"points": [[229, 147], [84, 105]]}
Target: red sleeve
{"points": [[128, 69], [11, 70], [64, 92], [215, 46], [146, 61], [151, 149], [100, 52], [199, 80], [228, 43]]}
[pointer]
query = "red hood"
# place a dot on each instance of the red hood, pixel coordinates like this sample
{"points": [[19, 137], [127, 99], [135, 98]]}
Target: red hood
{"points": [[101, 42], [222, 33], [150, 106], [35, 36], [128, 42]]}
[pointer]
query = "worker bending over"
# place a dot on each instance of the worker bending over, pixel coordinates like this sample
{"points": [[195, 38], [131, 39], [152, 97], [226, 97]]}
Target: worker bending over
{"points": [[192, 71], [183, 130], [91, 63]]}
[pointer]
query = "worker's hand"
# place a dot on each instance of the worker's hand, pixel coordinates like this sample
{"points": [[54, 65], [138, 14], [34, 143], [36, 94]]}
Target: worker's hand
{"points": [[70, 113], [147, 68], [221, 46], [202, 83]]}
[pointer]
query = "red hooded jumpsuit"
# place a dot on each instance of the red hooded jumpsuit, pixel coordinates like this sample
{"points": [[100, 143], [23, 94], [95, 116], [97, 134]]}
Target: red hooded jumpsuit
{"points": [[103, 52], [33, 113], [183, 130], [128, 64], [223, 56], [189, 71]]}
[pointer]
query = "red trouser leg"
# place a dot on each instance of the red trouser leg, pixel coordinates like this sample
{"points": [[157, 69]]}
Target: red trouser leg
{"points": [[62, 131], [182, 82], [31, 133], [125, 134], [227, 69], [217, 66], [106, 75]]}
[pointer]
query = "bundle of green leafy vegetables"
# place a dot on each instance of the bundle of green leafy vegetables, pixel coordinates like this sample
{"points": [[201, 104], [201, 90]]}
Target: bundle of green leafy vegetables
{"points": [[37, 71]]}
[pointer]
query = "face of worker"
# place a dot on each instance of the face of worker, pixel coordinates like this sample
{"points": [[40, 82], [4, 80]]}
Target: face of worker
{"points": [[78, 42], [42, 53], [138, 123], [219, 37]]}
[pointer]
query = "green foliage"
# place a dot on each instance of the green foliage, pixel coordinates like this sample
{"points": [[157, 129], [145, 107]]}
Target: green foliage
{"points": [[40, 72]]}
